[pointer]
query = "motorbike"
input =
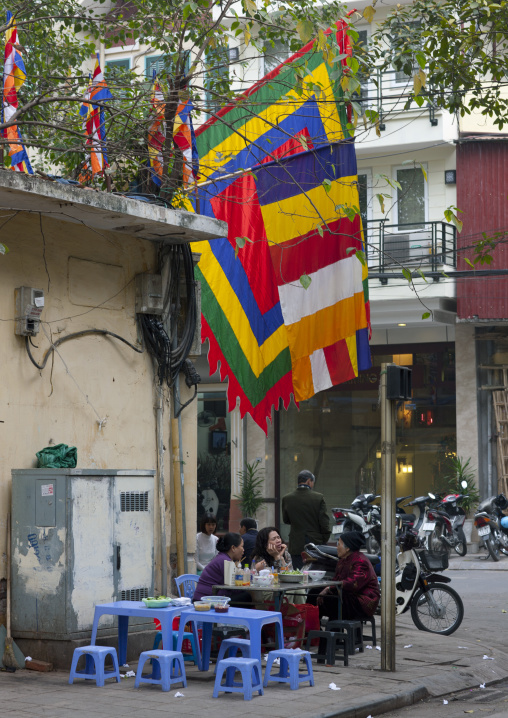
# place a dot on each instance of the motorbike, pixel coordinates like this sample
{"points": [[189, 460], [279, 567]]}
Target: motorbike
{"points": [[434, 606], [359, 517], [492, 526], [451, 506]]}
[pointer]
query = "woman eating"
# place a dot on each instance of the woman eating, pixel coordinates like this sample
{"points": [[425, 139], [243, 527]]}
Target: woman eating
{"points": [[230, 548], [269, 551]]}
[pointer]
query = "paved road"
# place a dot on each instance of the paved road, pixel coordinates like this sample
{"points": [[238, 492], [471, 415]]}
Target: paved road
{"points": [[485, 596]]}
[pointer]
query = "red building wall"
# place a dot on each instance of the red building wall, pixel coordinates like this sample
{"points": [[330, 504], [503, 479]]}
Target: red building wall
{"points": [[482, 195]]}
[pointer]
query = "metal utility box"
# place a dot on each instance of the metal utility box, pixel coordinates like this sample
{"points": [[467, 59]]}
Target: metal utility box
{"points": [[79, 537]]}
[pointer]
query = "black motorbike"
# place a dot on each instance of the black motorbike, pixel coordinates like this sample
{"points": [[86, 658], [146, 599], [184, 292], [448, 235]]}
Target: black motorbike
{"points": [[491, 524]]}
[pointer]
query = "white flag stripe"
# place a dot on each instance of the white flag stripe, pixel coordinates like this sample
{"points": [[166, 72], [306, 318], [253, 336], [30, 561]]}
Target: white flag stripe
{"points": [[329, 285], [320, 374]]}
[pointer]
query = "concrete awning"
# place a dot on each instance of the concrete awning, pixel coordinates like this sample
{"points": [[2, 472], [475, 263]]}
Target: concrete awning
{"points": [[104, 211]]}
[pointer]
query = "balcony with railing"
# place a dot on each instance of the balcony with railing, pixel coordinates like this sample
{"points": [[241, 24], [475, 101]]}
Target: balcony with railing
{"points": [[390, 248]]}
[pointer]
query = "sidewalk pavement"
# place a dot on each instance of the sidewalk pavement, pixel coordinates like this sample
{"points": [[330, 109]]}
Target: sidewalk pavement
{"points": [[478, 561], [427, 665]]}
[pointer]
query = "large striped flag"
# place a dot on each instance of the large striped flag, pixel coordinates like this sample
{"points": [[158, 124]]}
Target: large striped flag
{"points": [[94, 123], [14, 77], [293, 216]]}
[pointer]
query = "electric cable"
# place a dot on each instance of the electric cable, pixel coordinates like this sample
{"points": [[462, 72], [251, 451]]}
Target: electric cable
{"points": [[75, 335]]}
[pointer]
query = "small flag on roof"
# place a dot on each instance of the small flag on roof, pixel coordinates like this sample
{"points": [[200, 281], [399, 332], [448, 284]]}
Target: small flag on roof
{"points": [[185, 139], [94, 123], [156, 132], [14, 77]]}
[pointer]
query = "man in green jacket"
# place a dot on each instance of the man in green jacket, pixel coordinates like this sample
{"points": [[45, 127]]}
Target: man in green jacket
{"points": [[305, 510]]}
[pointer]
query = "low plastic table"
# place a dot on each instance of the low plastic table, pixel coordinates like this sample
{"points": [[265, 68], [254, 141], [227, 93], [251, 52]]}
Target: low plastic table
{"points": [[253, 620], [124, 610]]}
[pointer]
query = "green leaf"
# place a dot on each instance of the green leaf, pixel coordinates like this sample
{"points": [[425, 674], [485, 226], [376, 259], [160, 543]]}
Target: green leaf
{"points": [[303, 141], [320, 231], [353, 64], [305, 30], [3, 248], [350, 249], [423, 171], [360, 255], [422, 275], [381, 201], [250, 6], [240, 244], [407, 274], [468, 261], [305, 281], [327, 184], [421, 59], [425, 315]]}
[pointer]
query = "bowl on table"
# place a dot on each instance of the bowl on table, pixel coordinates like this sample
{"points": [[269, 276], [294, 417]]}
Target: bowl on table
{"points": [[216, 600], [291, 577], [316, 575], [202, 605], [157, 602]]}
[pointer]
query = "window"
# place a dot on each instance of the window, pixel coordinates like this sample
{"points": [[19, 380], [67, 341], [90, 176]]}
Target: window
{"points": [[362, 96], [163, 65], [118, 65], [402, 76], [217, 73], [214, 459], [411, 203], [275, 55]]}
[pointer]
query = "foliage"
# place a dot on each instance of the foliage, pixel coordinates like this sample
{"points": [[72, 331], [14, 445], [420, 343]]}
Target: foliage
{"points": [[251, 497], [460, 470]]}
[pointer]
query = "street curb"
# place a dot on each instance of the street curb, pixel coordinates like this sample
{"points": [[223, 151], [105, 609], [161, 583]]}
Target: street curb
{"points": [[378, 706]]}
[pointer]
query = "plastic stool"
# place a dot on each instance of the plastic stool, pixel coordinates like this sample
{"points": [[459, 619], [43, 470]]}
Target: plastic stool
{"points": [[354, 632], [372, 621], [327, 650], [250, 668], [234, 645], [98, 653], [289, 667], [186, 637], [168, 662]]}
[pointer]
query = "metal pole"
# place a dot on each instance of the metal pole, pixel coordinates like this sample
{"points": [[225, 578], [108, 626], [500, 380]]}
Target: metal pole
{"points": [[182, 476], [388, 446], [161, 491]]}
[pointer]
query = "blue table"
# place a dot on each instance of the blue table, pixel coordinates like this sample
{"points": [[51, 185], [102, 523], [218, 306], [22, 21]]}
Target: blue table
{"points": [[251, 619], [125, 609]]}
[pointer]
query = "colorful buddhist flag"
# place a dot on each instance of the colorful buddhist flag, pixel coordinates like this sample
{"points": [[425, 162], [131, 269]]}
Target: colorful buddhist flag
{"points": [[185, 139], [14, 77], [156, 132], [94, 123], [293, 218]]}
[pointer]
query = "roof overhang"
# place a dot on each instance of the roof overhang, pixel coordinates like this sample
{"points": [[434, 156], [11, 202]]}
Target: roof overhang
{"points": [[105, 211]]}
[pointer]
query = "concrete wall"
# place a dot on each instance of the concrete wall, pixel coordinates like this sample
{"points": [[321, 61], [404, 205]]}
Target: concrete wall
{"points": [[467, 411], [87, 277]]}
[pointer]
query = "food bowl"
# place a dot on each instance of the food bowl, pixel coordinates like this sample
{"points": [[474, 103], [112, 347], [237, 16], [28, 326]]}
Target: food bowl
{"points": [[160, 602], [264, 581], [316, 575], [291, 577], [202, 606], [216, 600], [221, 608]]}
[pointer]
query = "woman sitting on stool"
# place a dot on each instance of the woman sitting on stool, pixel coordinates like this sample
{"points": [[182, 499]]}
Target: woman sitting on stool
{"points": [[360, 588]]}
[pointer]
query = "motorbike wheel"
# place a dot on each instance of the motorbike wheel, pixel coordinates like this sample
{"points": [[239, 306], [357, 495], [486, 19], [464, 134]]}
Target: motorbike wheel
{"points": [[461, 545], [492, 545], [442, 615], [372, 545], [435, 543], [503, 543]]}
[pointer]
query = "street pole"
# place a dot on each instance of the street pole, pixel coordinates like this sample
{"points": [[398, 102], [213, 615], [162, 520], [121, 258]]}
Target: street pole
{"points": [[388, 445]]}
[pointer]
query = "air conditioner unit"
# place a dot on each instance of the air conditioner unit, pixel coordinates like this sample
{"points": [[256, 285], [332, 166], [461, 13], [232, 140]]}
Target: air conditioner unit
{"points": [[396, 249]]}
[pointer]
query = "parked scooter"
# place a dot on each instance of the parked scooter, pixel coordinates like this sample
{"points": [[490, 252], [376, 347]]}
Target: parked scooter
{"points": [[434, 606], [359, 517], [451, 505], [492, 525]]}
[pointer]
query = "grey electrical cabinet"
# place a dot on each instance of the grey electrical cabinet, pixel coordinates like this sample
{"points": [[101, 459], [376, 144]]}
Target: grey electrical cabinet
{"points": [[79, 537]]}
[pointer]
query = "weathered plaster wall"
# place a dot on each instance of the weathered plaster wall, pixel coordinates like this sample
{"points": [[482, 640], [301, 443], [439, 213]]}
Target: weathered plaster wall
{"points": [[91, 377]]}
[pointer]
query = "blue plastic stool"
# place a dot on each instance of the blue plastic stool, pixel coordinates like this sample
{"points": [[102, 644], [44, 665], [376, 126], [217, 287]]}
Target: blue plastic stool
{"points": [[98, 653], [289, 667], [250, 668], [229, 649], [186, 637], [168, 662]]}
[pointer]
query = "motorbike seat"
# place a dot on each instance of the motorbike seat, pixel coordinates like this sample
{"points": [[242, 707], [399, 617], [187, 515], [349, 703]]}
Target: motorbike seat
{"points": [[408, 518], [330, 550], [372, 557]]}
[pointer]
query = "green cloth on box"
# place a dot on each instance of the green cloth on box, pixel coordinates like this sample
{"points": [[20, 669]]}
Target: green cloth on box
{"points": [[60, 456]]}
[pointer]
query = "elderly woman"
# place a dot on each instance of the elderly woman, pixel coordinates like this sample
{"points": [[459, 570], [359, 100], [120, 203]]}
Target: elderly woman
{"points": [[360, 588]]}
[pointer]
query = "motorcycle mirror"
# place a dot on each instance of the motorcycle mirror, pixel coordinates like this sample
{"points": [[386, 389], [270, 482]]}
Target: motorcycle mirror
{"points": [[464, 484], [431, 495]]}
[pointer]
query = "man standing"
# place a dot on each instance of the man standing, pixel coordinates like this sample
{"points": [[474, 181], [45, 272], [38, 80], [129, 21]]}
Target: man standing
{"points": [[305, 510], [248, 529]]}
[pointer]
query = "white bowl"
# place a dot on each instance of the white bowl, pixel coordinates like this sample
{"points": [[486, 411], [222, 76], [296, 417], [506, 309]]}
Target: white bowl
{"points": [[216, 600], [316, 575]]}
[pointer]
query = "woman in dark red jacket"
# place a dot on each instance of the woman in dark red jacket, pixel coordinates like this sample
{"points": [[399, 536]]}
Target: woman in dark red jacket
{"points": [[360, 588]]}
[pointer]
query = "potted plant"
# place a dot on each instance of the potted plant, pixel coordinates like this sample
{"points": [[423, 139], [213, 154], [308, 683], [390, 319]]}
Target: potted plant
{"points": [[460, 479], [250, 496]]}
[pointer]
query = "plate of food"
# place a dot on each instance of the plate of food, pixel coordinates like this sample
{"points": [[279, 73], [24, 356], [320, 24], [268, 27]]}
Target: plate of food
{"points": [[291, 576], [157, 601]]}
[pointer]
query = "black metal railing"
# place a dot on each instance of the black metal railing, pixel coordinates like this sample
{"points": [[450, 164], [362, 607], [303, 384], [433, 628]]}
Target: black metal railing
{"points": [[392, 247]]}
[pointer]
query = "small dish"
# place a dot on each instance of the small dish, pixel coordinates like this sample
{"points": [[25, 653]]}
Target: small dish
{"points": [[156, 602], [316, 575], [216, 600], [202, 606]]}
